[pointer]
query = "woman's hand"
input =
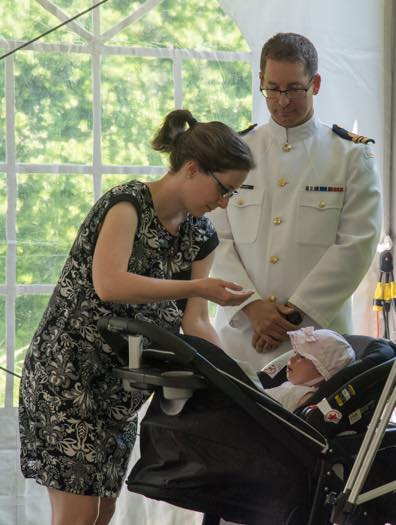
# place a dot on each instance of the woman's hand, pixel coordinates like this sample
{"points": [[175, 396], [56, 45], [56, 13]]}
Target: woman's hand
{"points": [[113, 282], [224, 293]]}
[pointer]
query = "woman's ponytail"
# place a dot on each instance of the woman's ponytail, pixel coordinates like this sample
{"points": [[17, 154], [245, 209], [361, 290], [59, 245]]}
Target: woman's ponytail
{"points": [[174, 124]]}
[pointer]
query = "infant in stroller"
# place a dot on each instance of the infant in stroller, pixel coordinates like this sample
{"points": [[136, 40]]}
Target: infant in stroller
{"points": [[212, 441], [317, 355]]}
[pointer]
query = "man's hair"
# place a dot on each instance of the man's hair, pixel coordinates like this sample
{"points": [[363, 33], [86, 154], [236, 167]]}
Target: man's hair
{"points": [[290, 47]]}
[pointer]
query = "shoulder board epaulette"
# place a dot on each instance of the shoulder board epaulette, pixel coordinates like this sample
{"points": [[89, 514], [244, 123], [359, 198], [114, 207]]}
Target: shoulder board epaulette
{"points": [[360, 139], [245, 131]]}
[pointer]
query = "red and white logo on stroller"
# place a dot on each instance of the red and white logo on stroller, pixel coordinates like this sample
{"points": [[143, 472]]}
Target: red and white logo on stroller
{"points": [[333, 416]]}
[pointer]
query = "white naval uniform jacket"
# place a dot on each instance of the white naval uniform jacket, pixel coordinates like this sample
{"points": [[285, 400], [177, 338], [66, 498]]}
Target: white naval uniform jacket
{"points": [[304, 229]]}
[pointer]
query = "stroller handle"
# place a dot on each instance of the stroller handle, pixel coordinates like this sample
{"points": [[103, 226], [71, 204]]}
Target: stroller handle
{"points": [[111, 326]]}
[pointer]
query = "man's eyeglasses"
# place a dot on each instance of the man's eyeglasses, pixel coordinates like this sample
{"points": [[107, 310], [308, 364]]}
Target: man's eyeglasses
{"points": [[291, 94], [225, 192]]}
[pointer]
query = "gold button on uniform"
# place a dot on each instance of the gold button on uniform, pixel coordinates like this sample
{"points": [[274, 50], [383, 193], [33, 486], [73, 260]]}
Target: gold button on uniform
{"points": [[241, 202], [277, 220], [322, 204], [272, 298], [286, 147], [273, 259], [282, 182]]}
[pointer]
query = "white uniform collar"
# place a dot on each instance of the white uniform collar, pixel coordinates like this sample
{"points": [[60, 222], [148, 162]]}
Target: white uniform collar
{"points": [[292, 135]]}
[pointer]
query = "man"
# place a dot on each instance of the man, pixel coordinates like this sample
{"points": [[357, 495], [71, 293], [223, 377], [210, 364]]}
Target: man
{"points": [[304, 228]]}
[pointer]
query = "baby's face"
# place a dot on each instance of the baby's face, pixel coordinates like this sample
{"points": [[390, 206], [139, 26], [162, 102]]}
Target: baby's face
{"points": [[300, 370]]}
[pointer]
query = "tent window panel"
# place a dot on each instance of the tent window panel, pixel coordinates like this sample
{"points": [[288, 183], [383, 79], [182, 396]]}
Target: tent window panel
{"points": [[186, 25], [115, 11], [3, 211], [2, 115], [136, 95], [74, 7], [3, 360], [218, 91], [28, 312], [26, 19], [50, 209], [53, 96]]}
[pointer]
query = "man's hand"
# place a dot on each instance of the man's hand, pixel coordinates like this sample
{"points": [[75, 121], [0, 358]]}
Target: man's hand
{"points": [[269, 323]]}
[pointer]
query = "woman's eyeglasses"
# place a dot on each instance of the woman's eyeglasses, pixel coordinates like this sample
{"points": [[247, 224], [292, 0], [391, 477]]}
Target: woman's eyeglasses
{"points": [[225, 192]]}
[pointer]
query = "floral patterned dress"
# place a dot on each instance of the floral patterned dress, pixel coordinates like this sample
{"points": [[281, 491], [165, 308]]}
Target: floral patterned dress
{"points": [[77, 424]]}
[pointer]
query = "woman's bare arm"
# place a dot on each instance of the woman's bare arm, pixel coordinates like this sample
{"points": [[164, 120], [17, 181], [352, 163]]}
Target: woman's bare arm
{"points": [[113, 283], [196, 316]]}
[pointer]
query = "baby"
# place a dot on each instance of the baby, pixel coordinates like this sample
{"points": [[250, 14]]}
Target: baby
{"points": [[318, 355]]}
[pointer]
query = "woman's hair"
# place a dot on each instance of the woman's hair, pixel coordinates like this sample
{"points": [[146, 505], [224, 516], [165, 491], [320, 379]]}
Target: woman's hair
{"points": [[215, 146], [290, 47]]}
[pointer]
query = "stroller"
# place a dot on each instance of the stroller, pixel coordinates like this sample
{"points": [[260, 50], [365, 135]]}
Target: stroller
{"points": [[213, 442]]}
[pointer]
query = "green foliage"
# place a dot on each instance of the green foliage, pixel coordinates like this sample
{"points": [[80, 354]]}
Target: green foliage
{"points": [[227, 88], [74, 7], [3, 211], [50, 208], [136, 94], [116, 10], [2, 350], [2, 115], [26, 19], [191, 24], [53, 108]]}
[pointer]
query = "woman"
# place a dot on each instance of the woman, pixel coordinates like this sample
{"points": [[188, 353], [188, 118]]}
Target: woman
{"points": [[144, 252]]}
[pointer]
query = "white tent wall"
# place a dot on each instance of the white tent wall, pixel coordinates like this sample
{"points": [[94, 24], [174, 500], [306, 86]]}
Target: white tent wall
{"points": [[354, 41], [349, 37]]}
